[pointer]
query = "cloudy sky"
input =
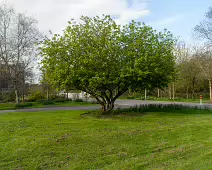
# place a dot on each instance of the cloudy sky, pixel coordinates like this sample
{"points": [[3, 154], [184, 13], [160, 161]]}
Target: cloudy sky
{"points": [[178, 16]]}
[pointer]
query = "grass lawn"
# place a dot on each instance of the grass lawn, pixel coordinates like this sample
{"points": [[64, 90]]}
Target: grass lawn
{"points": [[67, 140], [12, 106]]}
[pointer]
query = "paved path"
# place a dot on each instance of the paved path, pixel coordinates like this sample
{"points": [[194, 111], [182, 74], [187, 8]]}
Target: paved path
{"points": [[118, 103]]}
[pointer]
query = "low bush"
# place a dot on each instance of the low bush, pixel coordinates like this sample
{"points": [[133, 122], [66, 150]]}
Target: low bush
{"points": [[78, 100], [68, 99], [59, 100], [39, 101], [130, 97], [7, 97], [94, 102], [139, 110], [160, 108], [22, 105], [47, 102], [30, 100], [35, 95]]}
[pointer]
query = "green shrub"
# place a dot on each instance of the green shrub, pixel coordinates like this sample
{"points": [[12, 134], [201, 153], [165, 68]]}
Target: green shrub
{"points": [[40, 101], [35, 95], [94, 102], [30, 100], [68, 99], [59, 100], [8, 97], [130, 97], [78, 100], [21, 105], [159, 108], [47, 102]]}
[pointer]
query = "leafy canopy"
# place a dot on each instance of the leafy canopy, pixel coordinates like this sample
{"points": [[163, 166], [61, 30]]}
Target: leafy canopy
{"points": [[104, 59]]}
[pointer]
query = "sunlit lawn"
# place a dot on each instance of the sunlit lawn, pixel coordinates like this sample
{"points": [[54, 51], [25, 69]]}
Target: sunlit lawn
{"points": [[67, 140]]}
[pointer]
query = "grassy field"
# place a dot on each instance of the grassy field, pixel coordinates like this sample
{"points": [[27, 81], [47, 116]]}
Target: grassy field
{"points": [[12, 106], [68, 140]]}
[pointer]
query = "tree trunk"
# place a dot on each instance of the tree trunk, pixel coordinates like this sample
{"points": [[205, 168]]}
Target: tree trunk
{"points": [[170, 92], [17, 97], [173, 91], [192, 94], [107, 107], [158, 93], [67, 95], [129, 92], [187, 92], [23, 92], [210, 87], [23, 97], [145, 94], [47, 93]]}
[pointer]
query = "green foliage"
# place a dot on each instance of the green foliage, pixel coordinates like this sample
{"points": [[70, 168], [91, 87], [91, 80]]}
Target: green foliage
{"points": [[35, 95], [45, 102], [59, 100], [22, 105], [104, 59], [7, 97], [78, 100]]}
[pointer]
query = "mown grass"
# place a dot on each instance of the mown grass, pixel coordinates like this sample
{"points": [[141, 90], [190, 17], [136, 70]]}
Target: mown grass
{"points": [[13, 106], [177, 139]]}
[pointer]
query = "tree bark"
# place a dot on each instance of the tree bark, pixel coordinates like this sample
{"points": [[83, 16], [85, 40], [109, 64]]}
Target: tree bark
{"points": [[187, 92], [145, 94], [192, 94], [173, 97], [106, 106], [17, 97], [210, 87], [47, 93], [23, 92], [23, 97], [170, 92]]}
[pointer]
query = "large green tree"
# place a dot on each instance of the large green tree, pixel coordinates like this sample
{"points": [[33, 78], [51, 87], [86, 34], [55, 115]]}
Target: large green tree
{"points": [[105, 59]]}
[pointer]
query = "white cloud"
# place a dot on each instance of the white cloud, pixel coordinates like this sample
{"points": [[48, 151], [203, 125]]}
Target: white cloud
{"points": [[54, 14]]}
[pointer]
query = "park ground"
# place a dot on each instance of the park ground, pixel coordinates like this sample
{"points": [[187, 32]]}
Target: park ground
{"points": [[173, 139]]}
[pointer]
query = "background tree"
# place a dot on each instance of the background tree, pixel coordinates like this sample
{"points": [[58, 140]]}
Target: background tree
{"points": [[105, 60], [188, 70], [204, 59], [18, 34], [204, 32]]}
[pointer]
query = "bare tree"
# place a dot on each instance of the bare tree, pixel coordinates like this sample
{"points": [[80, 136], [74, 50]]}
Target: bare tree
{"points": [[204, 59], [204, 32], [18, 35]]}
